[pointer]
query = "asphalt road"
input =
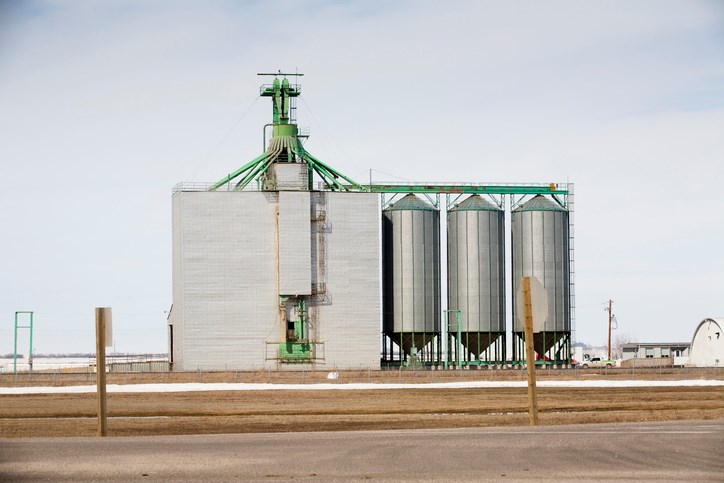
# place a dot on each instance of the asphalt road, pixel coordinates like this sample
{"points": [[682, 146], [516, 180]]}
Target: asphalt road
{"points": [[680, 451]]}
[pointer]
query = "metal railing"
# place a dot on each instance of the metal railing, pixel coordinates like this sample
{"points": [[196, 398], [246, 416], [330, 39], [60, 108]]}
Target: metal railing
{"points": [[205, 186], [296, 88], [198, 186]]}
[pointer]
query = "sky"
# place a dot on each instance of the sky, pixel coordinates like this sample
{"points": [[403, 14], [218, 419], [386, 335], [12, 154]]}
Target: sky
{"points": [[105, 106]]}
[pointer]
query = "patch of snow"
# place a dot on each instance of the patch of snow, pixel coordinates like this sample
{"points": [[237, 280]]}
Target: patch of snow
{"points": [[45, 363], [196, 387]]}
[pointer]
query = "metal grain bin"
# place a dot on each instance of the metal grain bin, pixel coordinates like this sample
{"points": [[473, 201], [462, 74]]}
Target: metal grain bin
{"points": [[411, 266], [540, 239], [476, 273]]}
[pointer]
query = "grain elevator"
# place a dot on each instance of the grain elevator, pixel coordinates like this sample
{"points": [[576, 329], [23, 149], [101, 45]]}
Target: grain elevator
{"points": [[286, 263]]}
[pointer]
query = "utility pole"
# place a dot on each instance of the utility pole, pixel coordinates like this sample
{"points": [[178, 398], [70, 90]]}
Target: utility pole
{"points": [[104, 338], [529, 351], [610, 316]]}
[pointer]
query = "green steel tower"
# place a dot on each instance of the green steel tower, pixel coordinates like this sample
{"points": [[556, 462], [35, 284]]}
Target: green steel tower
{"points": [[284, 146]]}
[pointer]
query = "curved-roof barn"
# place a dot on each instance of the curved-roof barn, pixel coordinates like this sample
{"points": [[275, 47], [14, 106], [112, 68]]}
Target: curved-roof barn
{"points": [[707, 346]]}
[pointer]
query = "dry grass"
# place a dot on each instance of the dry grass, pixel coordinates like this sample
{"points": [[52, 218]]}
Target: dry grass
{"points": [[84, 376], [283, 410]]}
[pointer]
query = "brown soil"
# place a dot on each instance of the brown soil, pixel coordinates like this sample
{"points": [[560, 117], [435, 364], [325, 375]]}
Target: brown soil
{"points": [[284, 410]]}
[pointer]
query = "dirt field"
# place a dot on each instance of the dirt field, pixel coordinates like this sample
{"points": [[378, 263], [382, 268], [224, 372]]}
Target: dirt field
{"points": [[85, 376], [283, 410]]}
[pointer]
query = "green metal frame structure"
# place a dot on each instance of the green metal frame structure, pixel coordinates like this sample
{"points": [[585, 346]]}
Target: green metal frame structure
{"points": [[297, 347], [457, 332], [15, 347], [469, 188]]}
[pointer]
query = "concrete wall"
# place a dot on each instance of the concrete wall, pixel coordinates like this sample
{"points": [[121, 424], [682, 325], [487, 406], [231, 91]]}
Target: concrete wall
{"points": [[347, 260], [224, 279], [295, 243], [229, 249]]}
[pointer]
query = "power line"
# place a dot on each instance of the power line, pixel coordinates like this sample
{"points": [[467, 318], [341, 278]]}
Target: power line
{"points": [[228, 133]]}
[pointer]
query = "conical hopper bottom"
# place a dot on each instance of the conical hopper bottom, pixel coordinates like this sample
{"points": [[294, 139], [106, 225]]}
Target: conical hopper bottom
{"points": [[477, 342], [408, 340], [543, 341]]}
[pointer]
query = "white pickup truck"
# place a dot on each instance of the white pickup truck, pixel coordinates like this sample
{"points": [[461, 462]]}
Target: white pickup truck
{"points": [[597, 362]]}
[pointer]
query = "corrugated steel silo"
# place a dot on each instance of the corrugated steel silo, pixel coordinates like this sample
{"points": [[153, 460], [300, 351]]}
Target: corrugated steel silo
{"points": [[411, 281], [476, 278], [540, 248]]}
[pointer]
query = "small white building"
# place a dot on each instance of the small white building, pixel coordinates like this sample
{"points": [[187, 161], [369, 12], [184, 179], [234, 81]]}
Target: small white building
{"points": [[655, 350], [707, 346]]}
